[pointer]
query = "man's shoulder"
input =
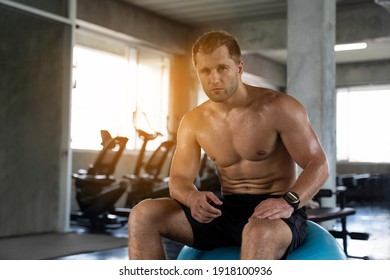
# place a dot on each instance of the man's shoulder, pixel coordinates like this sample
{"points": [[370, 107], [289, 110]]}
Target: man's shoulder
{"points": [[193, 116], [275, 102], [262, 92], [266, 96], [273, 96], [199, 110]]}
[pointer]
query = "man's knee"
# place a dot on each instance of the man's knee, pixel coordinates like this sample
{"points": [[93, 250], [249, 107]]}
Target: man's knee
{"points": [[151, 212], [256, 232], [144, 212], [269, 238]]}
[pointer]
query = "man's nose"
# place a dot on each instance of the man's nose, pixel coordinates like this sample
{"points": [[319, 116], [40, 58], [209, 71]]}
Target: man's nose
{"points": [[215, 77]]}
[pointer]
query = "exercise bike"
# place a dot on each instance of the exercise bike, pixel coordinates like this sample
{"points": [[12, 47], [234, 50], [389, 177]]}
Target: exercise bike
{"points": [[97, 190], [146, 180]]}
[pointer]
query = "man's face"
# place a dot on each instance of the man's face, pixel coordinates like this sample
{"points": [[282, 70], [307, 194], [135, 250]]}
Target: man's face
{"points": [[218, 74]]}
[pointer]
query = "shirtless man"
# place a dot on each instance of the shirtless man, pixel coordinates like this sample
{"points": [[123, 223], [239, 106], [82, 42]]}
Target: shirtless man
{"points": [[256, 137]]}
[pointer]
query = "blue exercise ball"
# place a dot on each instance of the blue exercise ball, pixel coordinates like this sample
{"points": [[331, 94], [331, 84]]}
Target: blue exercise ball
{"points": [[319, 244]]}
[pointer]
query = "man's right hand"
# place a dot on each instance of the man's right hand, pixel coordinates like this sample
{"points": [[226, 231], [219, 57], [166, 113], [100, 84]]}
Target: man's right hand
{"points": [[201, 207]]}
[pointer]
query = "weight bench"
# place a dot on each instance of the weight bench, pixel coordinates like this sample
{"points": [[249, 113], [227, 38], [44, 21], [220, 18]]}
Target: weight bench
{"points": [[332, 213]]}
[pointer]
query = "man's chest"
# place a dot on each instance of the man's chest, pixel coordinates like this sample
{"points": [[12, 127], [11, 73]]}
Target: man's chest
{"points": [[230, 142]]}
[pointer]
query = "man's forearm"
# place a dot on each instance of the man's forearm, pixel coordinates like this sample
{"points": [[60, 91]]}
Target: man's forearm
{"points": [[181, 189], [311, 179]]}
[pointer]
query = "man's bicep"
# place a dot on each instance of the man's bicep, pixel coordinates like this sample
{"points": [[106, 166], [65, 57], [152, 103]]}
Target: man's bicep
{"points": [[185, 163], [186, 159], [300, 139], [305, 147]]}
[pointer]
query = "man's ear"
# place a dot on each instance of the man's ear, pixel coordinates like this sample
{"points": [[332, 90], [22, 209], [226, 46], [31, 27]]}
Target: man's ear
{"points": [[240, 67]]}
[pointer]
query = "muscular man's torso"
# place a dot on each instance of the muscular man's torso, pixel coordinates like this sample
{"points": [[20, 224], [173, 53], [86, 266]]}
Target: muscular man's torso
{"points": [[246, 147]]}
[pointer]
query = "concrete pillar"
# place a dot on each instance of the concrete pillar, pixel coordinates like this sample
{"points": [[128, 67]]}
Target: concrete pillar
{"points": [[35, 82], [311, 69]]}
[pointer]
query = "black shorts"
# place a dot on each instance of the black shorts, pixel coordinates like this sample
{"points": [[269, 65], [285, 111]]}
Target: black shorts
{"points": [[226, 230]]}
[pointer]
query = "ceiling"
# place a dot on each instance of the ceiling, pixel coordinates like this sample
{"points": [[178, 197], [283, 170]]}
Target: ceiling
{"points": [[205, 12], [196, 13]]}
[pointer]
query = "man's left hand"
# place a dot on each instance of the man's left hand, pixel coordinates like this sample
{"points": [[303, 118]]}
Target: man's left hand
{"points": [[272, 208]]}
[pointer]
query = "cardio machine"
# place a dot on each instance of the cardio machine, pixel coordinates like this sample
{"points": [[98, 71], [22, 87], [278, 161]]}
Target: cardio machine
{"points": [[98, 191], [146, 181], [96, 188]]}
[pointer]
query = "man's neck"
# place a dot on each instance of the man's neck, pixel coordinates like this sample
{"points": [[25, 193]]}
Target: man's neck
{"points": [[239, 99]]}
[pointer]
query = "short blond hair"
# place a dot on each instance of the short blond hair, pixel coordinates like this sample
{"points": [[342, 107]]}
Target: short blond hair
{"points": [[212, 40]]}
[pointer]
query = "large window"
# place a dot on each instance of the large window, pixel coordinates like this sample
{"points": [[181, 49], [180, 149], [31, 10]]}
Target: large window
{"points": [[117, 87], [363, 132]]}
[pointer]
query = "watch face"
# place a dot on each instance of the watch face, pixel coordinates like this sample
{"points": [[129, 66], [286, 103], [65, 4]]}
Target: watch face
{"points": [[292, 197]]}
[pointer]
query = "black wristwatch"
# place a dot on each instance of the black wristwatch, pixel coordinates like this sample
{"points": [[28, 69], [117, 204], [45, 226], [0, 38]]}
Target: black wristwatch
{"points": [[292, 198]]}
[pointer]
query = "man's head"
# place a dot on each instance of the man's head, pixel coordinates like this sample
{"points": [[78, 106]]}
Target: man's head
{"points": [[210, 41], [218, 64]]}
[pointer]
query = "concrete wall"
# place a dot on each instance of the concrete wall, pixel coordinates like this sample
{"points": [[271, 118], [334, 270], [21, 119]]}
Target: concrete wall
{"points": [[35, 68], [363, 73], [135, 22]]}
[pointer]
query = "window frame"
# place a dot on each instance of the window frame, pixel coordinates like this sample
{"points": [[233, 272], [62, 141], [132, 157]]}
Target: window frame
{"points": [[347, 129], [134, 48]]}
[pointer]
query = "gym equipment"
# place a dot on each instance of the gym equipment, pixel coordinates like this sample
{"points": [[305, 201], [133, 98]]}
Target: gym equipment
{"points": [[364, 187], [146, 138], [97, 191], [145, 181], [149, 184], [96, 188], [319, 244], [342, 212]]}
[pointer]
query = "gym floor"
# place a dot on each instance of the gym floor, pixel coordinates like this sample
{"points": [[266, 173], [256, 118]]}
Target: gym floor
{"points": [[373, 218]]}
